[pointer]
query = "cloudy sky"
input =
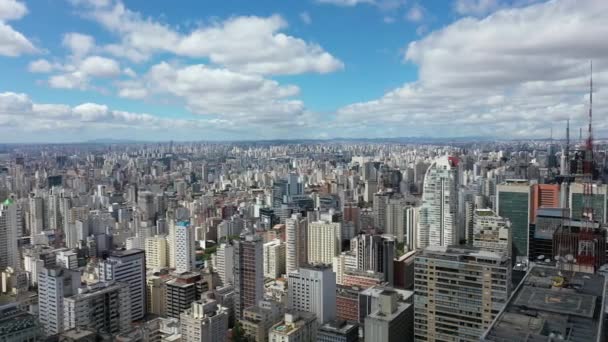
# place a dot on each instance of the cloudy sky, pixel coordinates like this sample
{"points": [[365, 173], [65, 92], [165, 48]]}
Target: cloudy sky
{"points": [[75, 70]]}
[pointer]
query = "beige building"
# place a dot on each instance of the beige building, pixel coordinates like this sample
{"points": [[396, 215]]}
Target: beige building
{"points": [[156, 252], [204, 321], [295, 327], [274, 259], [324, 239]]}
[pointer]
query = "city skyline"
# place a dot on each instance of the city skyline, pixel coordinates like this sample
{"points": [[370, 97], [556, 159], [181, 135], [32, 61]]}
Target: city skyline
{"points": [[82, 70]]}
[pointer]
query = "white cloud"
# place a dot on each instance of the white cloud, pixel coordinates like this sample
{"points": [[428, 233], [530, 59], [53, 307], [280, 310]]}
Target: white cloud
{"points": [[476, 7], [79, 44], [12, 10], [346, 2], [415, 14], [40, 66], [243, 98], [305, 17], [478, 76], [248, 44], [13, 43], [97, 66], [73, 80]]}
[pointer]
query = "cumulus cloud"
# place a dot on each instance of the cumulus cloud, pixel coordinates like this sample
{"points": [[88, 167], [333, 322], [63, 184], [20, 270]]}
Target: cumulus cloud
{"points": [[40, 66], [220, 92], [247, 44], [476, 7], [12, 42], [79, 44], [479, 76]]}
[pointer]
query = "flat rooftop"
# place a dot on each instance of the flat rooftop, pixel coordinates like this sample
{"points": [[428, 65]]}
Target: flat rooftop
{"points": [[549, 306]]}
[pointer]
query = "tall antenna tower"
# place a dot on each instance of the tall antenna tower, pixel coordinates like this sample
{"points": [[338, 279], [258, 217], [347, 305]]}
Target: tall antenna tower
{"points": [[587, 248]]}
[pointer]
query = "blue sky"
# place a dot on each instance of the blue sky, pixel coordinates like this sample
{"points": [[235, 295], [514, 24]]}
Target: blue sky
{"points": [[74, 70]]}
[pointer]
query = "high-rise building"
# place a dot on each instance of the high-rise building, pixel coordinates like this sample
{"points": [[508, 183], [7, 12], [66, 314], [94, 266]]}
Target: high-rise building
{"points": [[295, 327], [17, 325], [513, 203], [185, 252], [313, 289], [458, 292], [396, 219], [36, 214], [491, 232], [380, 204], [156, 252], [412, 216], [54, 283], [182, 291], [224, 263], [10, 231], [258, 319], [338, 331], [204, 321], [553, 305], [274, 259], [543, 196], [437, 225], [324, 241], [103, 307], [129, 267], [248, 273], [296, 239], [391, 321]]}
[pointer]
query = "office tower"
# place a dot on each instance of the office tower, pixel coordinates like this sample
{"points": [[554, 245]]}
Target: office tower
{"points": [[248, 273], [491, 232], [17, 325], [598, 201], [324, 241], [437, 225], [477, 283], [53, 216], [204, 321], [391, 322], [294, 186], [54, 283], [371, 187], [182, 290], [351, 212], [67, 259], [257, 320], [224, 263], [313, 289], [380, 203], [396, 219], [412, 217], [544, 196], [103, 307], [128, 267], [552, 305], [274, 259], [296, 238], [145, 204], [295, 327], [279, 190], [36, 214], [10, 231], [338, 331], [513, 203], [185, 256], [156, 252]]}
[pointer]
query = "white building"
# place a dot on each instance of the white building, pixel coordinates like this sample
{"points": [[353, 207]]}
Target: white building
{"points": [[128, 267], [204, 321], [437, 225], [224, 263], [67, 259], [295, 327], [491, 232], [185, 256], [295, 242], [313, 289], [274, 259], [324, 241], [54, 283]]}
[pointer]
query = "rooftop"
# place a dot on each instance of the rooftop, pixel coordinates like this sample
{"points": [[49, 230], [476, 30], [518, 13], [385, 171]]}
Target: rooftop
{"points": [[549, 304]]}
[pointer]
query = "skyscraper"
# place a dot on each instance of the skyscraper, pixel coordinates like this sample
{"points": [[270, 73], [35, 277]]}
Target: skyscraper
{"points": [[248, 272], [313, 289], [224, 263], [324, 241], [10, 231], [185, 253], [128, 267], [458, 292], [295, 242], [274, 259], [54, 283], [513, 203], [437, 225], [156, 252]]}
